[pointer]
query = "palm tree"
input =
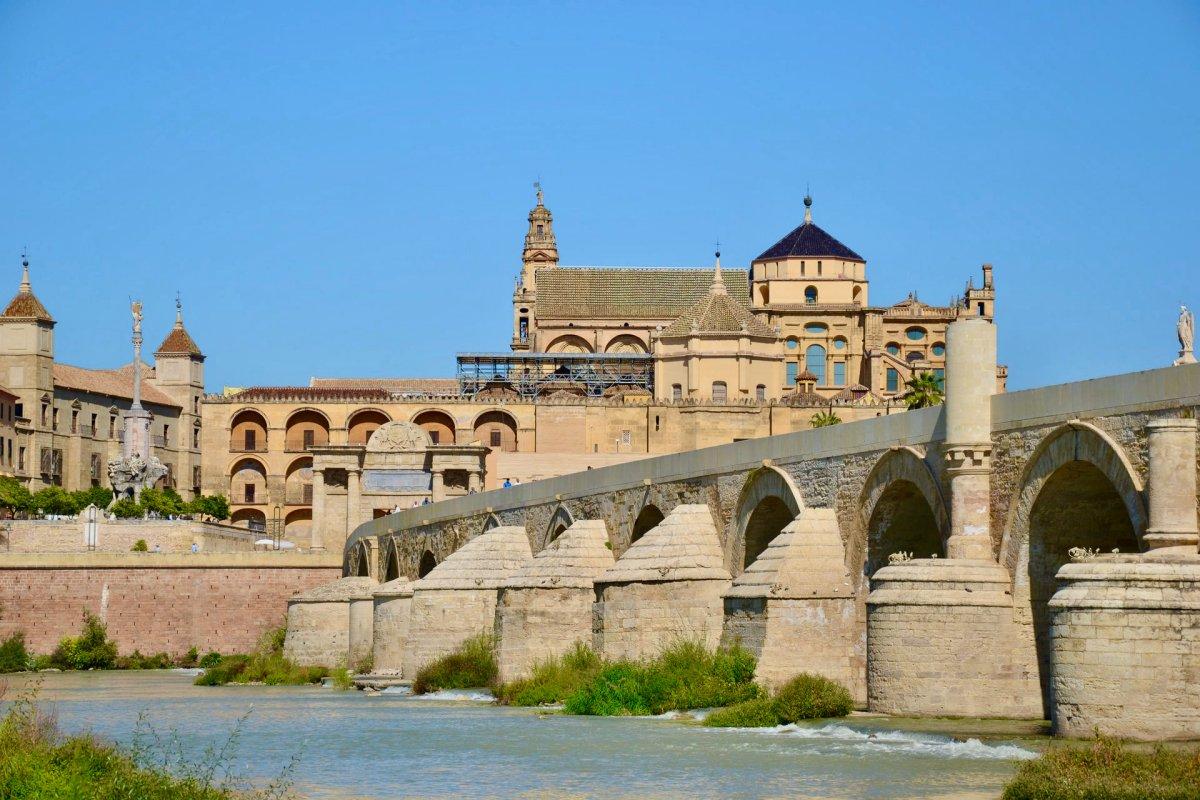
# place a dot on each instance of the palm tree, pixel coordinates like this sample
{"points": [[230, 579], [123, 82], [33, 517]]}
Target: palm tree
{"points": [[924, 390], [823, 419]]}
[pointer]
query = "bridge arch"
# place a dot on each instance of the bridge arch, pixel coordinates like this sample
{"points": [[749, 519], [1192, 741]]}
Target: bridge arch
{"points": [[769, 500], [648, 517], [1078, 489], [903, 509], [391, 560], [427, 563], [358, 560], [560, 520]]}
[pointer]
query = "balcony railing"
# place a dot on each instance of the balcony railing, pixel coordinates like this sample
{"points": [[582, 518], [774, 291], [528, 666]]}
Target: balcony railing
{"points": [[259, 447], [299, 497]]}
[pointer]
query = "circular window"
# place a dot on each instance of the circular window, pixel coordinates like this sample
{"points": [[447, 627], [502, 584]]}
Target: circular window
{"points": [[939, 349], [915, 334], [839, 344], [792, 344], [893, 348], [815, 327]]}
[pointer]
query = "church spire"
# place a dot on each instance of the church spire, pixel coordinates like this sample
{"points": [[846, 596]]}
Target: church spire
{"points": [[24, 304], [807, 208], [26, 286], [541, 249], [718, 284]]}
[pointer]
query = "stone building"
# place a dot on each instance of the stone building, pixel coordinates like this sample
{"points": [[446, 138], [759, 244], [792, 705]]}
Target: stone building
{"points": [[605, 365], [61, 424]]}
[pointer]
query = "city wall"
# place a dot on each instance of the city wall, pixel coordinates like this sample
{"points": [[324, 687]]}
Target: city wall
{"points": [[119, 536], [156, 602]]}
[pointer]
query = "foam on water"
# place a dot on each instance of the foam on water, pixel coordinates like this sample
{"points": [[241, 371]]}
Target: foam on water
{"points": [[402, 690], [859, 741], [457, 695]]}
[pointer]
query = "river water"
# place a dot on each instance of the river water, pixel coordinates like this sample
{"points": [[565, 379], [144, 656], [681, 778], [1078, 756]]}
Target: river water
{"points": [[389, 745]]}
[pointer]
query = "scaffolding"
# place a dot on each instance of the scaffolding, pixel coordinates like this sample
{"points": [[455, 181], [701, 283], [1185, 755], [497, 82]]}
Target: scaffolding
{"points": [[535, 374]]}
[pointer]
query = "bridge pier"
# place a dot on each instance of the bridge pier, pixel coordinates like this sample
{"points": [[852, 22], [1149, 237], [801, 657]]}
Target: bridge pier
{"points": [[319, 622], [393, 604]]}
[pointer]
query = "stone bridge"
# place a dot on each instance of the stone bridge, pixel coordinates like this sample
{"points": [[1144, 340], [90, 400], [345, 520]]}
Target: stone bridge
{"points": [[917, 557]]}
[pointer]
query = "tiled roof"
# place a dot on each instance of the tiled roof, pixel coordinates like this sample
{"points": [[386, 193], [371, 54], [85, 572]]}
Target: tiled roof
{"points": [[718, 313], [628, 293], [812, 241], [25, 305], [116, 383], [804, 399], [178, 342], [421, 385]]}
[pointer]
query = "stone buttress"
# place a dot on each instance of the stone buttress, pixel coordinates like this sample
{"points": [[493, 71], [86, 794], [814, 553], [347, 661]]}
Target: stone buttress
{"points": [[392, 607], [457, 599], [319, 623], [794, 607], [546, 607], [667, 587]]}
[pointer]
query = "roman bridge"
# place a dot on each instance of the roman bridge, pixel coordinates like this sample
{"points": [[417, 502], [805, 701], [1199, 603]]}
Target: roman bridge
{"points": [[916, 557]]}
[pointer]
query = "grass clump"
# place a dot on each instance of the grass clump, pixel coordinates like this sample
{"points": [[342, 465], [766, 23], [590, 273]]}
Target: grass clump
{"points": [[756, 713], [343, 679], [37, 761], [809, 696], [1107, 770], [472, 665], [552, 681], [266, 665], [685, 676]]}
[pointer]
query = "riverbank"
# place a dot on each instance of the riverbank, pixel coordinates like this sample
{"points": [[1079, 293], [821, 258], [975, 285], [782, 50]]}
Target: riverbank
{"points": [[388, 744]]}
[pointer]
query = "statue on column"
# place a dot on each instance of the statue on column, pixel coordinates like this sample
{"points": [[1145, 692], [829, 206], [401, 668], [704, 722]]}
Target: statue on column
{"points": [[137, 468], [1185, 329]]}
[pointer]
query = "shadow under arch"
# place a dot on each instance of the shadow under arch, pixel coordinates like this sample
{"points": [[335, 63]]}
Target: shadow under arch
{"points": [[648, 517], [560, 520], [358, 560], [768, 502], [903, 509], [427, 563], [1077, 490], [390, 560]]}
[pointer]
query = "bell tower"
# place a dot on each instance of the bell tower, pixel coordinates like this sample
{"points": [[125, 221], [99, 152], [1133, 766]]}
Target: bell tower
{"points": [[540, 252]]}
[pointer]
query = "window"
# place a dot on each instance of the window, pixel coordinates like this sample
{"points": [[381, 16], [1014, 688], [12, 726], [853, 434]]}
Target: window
{"points": [[166, 434], [940, 374], [310, 438], [915, 334], [893, 380], [539, 228], [95, 418], [196, 479], [656, 422], [21, 459], [112, 426], [249, 492], [626, 438], [792, 344], [10, 441], [839, 373], [720, 392], [839, 344], [494, 438], [981, 312], [20, 409], [814, 362], [793, 368], [939, 349], [914, 357], [251, 440], [760, 393], [816, 328], [54, 419], [74, 421], [45, 413], [893, 348], [676, 392], [95, 469], [810, 295], [196, 405]]}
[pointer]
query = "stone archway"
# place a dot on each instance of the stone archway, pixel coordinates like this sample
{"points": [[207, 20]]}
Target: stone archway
{"points": [[903, 510], [560, 520], [358, 560], [391, 560], [1078, 490], [427, 563], [768, 502], [647, 518]]}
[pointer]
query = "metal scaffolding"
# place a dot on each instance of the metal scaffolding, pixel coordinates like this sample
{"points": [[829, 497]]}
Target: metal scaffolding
{"points": [[535, 374]]}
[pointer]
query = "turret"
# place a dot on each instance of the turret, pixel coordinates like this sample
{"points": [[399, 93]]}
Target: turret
{"points": [[540, 252], [179, 372], [27, 349]]}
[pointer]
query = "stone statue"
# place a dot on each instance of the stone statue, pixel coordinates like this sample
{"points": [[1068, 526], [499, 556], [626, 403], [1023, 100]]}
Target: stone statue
{"points": [[136, 306], [1185, 329]]}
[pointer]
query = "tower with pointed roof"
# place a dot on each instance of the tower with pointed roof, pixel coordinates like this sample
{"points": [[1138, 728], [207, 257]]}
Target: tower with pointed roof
{"points": [[179, 373], [27, 358], [540, 252]]}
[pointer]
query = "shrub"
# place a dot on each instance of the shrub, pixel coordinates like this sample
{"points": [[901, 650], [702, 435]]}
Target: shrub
{"points": [[13, 655], [140, 546], [14, 495], [92, 650], [136, 660], [808, 696], [552, 681], [472, 665], [685, 676], [266, 665], [189, 658], [210, 659], [757, 713], [1106, 770], [342, 679], [54, 500], [126, 508]]}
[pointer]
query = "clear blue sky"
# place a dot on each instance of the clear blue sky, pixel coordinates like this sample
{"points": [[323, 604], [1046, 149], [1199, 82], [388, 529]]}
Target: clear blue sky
{"points": [[340, 188]]}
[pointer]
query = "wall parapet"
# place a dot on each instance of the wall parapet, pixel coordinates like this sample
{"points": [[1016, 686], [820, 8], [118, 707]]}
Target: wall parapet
{"points": [[235, 560]]}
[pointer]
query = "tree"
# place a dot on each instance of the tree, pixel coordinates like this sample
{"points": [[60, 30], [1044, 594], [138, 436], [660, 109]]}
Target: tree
{"points": [[126, 508], [14, 495], [54, 500], [823, 419], [215, 506], [161, 501], [98, 496], [924, 391]]}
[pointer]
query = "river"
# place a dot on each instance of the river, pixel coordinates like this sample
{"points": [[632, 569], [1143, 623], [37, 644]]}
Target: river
{"points": [[389, 745]]}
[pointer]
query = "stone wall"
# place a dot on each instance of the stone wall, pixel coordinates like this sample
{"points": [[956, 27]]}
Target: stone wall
{"points": [[119, 536], [155, 602], [536, 624], [640, 620]]}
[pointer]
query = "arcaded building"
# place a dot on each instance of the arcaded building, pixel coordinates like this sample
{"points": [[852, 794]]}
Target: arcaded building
{"points": [[604, 365]]}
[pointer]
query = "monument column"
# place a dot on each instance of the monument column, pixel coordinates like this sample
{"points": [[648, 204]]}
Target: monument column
{"points": [[318, 511], [353, 500], [474, 481], [1172, 485], [438, 485], [970, 383]]}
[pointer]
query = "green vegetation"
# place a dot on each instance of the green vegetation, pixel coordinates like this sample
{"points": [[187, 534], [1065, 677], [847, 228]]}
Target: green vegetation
{"points": [[211, 659], [140, 545], [13, 655], [756, 713], [1107, 770], [823, 419], [342, 679], [265, 665], [92, 649], [472, 665], [15, 497], [37, 761], [805, 696], [924, 390], [126, 508], [685, 676], [552, 681]]}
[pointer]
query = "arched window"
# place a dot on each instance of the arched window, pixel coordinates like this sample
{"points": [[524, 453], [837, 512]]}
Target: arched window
{"points": [[816, 328], [939, 349], [676, 391], [892, 348], [793, 369], [760, 393], [915, 334], [810, 295], [720, 392], [814, 362]]}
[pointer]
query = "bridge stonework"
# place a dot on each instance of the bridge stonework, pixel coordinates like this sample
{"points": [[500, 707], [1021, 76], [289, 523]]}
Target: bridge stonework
{"points": [[949, 605]]}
